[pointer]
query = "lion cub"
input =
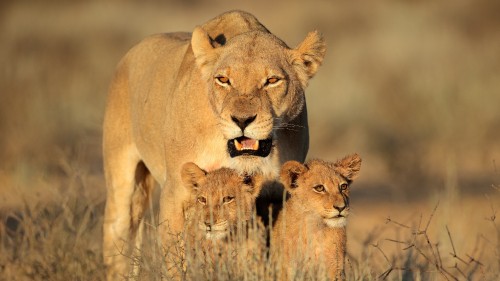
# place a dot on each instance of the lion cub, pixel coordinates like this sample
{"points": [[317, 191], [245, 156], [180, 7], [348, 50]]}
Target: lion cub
{"points": [[221, 200], [311, 228]]}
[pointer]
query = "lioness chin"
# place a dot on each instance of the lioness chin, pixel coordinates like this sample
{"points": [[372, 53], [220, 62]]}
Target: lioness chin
{"points": [[229, 94]]}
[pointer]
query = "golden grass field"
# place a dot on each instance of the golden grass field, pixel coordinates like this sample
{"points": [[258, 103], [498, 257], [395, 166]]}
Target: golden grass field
{"points": [[412, 86]]}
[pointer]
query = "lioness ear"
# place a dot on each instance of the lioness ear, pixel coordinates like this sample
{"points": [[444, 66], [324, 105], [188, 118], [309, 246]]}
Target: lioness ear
{"points": [[349, 166], [203, 50], [192, 175], [308, 56], [290, 172], [254, 183]]}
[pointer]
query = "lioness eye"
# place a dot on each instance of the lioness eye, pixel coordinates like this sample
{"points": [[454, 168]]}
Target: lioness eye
{"points": [[202, 200], [223, 80], [319, 188], [272, 80], [227, 199], [343, 186]]}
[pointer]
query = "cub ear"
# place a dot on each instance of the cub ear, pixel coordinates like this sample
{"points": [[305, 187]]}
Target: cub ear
{"points": [[253, 183], [192, 175], [290, 172], [349, 166], [308, 56], [204, 52]]}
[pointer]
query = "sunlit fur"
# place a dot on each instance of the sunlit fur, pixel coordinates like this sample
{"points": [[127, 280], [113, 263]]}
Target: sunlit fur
{"points": [[311, 226], [165, 108], [220, 200]]}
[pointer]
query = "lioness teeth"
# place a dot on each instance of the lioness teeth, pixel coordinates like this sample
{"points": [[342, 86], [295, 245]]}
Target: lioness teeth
{"points": [[246, 144], [238, 145]]}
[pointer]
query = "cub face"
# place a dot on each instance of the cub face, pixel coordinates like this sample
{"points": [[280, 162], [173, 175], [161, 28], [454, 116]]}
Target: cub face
{"points": [[220, 199], [322, 188], [255, 83]]}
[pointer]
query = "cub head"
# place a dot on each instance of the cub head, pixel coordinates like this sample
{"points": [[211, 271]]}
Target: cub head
{"points": [[220, 199], [322, 188], [255, 84]]}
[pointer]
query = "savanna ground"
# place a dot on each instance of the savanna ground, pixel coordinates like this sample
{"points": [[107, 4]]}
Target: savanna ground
{"points": [[412, 86]]}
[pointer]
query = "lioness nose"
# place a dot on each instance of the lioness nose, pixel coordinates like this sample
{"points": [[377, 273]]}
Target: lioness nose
{"points": [[243, 122]]}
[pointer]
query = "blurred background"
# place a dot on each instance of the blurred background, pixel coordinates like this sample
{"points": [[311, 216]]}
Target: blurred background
{"points": [[412, 86]]}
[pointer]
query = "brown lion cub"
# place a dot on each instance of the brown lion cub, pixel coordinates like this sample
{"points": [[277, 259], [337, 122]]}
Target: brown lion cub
{"points": [[220, 200], [311, 228]]}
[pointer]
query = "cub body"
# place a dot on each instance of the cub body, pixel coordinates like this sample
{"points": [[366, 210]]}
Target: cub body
{"points": [[311, 228]]}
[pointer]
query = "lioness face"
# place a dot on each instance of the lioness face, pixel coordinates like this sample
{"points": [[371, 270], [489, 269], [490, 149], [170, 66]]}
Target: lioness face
{"points": [[322, 188], [221, 199], [255, 84]]}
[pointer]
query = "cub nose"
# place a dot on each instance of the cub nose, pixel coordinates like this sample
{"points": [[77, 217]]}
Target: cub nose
{"points": [[339, 208], [208, 225], [243, 122]]}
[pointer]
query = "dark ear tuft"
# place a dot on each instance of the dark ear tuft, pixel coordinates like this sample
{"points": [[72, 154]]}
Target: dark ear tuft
{"points": [[247, 179], [253, 183], [192, 175], [203, 50], [290, 172]]}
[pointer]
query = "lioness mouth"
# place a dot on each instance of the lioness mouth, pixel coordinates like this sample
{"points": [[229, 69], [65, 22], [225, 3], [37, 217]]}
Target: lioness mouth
{"points": [[247, 146]]}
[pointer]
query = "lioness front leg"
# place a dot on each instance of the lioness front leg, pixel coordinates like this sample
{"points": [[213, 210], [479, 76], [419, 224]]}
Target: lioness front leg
{"points": [[120, 172], [171, 226]]}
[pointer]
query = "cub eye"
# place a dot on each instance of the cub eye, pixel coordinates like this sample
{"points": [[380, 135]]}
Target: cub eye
{"points": [[343, 186], [223, 80], [227, 199], [319, 188], [272, 80], [202, 200]]}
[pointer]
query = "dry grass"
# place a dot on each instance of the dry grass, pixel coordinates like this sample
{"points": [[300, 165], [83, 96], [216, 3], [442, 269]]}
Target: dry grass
{"points": [[410, 86], [62, 242], [53, 241]]}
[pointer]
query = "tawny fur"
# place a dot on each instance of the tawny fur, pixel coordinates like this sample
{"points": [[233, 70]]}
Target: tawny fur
{"points": [[165, 108], [219, 201], [220, 212], [309, 231]]}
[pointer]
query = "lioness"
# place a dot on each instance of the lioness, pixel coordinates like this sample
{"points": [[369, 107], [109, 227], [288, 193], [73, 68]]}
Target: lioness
{"points": [[229, 94], [311, 229]]}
